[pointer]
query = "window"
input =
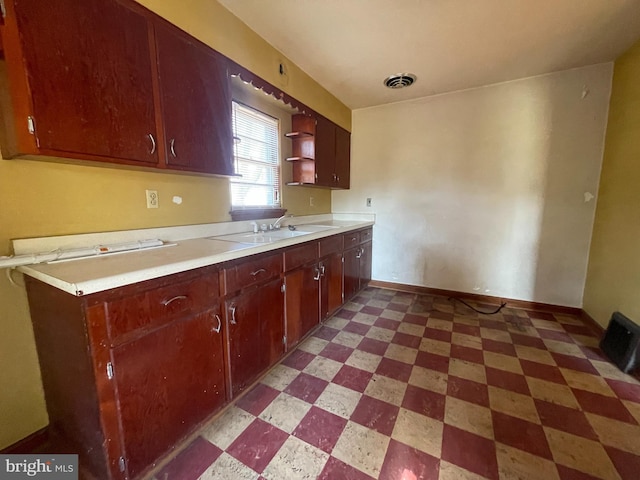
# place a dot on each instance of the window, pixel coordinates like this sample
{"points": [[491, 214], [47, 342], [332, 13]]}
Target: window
{"points": [[256, 157]]}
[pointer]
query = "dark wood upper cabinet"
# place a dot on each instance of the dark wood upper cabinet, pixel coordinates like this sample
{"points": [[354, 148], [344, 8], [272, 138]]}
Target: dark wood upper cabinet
{"points": [[82, 72], [196, 104], [321, 152], [108, 80]]}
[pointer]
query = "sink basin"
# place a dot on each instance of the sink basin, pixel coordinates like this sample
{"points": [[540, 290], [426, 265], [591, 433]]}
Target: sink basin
{"points": [[314, 228], [261, 237]]}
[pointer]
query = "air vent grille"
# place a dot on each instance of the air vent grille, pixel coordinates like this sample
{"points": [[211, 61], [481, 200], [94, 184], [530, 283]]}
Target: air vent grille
{"points": [[400, 80]]}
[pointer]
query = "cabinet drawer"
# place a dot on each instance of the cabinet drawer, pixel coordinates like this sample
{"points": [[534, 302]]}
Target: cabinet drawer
{"points": [[160, 305], [351, 239], [366, 235], [331, 245], [297, 256], [252, 271]]}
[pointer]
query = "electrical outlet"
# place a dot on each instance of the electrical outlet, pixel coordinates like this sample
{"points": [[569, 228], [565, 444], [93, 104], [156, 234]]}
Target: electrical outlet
{"points": [[311, 202], [152, 198], [368, 202]]}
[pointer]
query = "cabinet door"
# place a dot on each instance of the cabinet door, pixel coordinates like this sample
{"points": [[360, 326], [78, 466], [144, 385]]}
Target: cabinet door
{"points": [[302, 302], [255, 332], [325, 142], [351, 272], [90, 78], [247, 357], [343, 157], [365, 264], [168, 382], [196, 103], [331, 285]]}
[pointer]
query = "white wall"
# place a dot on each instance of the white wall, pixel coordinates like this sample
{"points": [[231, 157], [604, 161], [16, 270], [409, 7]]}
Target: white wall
{"points": [[485, 190]]}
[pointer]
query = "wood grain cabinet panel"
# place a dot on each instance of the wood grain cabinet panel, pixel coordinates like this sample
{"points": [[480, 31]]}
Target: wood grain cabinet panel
{"points": [[83, 72]]}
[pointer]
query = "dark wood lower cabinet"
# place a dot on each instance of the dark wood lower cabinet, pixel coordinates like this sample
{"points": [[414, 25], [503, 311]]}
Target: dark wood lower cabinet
{"points": [[255, 328], [128, 373], [167, 382]]}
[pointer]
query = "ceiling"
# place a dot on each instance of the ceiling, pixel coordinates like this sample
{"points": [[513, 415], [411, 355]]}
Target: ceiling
{"points": [[351, 46]]}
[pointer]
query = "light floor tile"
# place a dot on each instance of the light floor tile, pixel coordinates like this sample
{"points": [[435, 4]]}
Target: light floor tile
{"points": [[502, 362], [401, 353], [514, 404], [285, 412], [364, 360], [411, 329], [465, 340], [467, 370], [348, 339], [382, 334], [564, 348], [449, 471], [280, 377], [386, 389], [586, 381], [580, 454], [365, 318], [535, 355], [634, 409], [429, 379], [313, 345], [226, 428], [226, 467], [552, 392], [361, 448], [515, 464], [547, 325], [497, 335], [336, 322], [609, 370], [614, 433], [323, 368], [418, 431], [296, 460], [338, 400], [469, 416], [435, 346], [392, 315], [440, 324]]}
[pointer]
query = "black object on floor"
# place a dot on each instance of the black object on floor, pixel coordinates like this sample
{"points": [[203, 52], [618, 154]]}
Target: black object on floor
{"points": [[620, 342]]}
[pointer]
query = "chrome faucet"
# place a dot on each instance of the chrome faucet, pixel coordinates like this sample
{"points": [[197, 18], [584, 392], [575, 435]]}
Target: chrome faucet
{"points": [[276, 225]]}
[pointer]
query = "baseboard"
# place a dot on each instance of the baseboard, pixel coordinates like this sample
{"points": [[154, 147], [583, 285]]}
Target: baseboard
{"points": [[536, 306], [591, 323], [28, 444]]}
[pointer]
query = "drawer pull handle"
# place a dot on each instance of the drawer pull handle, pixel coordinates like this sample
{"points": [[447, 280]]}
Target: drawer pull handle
{"points": [[153, 144], [166, 303], [232, 308], [360, 252], [257, 272], [217, 330], [317, 275], [322, 270], [172, 147]]}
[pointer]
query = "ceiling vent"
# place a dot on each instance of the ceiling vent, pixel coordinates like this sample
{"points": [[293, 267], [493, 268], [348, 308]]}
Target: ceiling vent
{"points": [[400, 80]]}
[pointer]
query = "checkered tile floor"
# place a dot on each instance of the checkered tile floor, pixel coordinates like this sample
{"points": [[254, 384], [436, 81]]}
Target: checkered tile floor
{"points": [[403, 386]]}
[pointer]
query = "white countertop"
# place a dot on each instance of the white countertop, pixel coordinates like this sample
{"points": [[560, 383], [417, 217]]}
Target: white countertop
{"points": [[95, 274]]}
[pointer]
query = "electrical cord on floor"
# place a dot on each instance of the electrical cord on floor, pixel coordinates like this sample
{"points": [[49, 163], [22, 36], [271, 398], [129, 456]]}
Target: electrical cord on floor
{"points": [[502, 305]]}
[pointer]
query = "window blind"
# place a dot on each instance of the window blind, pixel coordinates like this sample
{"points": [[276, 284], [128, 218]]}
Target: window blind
{"points": [[256, 155]]}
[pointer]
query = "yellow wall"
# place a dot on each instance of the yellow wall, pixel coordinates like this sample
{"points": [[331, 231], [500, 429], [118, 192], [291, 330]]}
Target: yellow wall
{"points": [[613, 279], [42, 198]]}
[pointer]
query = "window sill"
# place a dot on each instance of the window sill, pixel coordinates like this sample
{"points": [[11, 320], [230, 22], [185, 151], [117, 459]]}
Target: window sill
{"points": [[256, 213]]}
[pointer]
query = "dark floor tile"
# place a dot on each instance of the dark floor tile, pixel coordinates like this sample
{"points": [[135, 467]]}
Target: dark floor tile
{"points": [[370, 345], [376, 415], [465, 353], [371, 310], [405, 463], [466, 329], [352, 378], [521, 434], [469, 451], [574, 363], [464, 389], [433, 361], [406, 340], [257, 399], [299, 359], [346, 314], [356, 327], [609, 407], [398, 307], [336, 352], [567, 473], [498, 347], [326, 333], [424, 402], [625, 390], [627, 464], [565, 419], [320, 428], [494, 324], [527, 341], [257, 445], [306, 387], [542, 371], [437, 334], [191, 462], [541, 315], [387, 323], [441, 315], [507, 380], [554, 335], [394, 369]]}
